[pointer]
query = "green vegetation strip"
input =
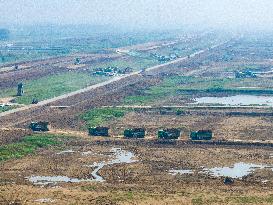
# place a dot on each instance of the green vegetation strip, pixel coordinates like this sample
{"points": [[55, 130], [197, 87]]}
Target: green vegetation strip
{"points": [[167, 88], [54, 85], [99, 116], [27, 145], [4, 109]]}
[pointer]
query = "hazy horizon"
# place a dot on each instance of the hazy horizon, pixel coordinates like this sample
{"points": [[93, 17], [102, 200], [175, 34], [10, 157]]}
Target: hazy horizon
{"points": [[140, 14]]}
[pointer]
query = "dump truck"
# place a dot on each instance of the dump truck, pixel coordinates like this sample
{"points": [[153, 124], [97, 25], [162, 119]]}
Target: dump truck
{"points": [[201, 135], [134, 133], [39, 126], [99, 131], [170, 134]]}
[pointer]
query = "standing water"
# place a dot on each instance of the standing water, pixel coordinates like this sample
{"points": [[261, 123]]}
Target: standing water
{"points": [[237, 100], [238, 170], [120, 157]]}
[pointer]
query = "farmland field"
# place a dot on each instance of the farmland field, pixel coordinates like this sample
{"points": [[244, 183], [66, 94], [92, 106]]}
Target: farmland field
{"points": [[43, 82], [51, 86], [198, 92]]}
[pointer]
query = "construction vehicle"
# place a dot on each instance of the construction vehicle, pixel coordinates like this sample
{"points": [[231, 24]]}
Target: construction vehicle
{"points": [[126, 70], [245, 74], [170, 134], [39, 126], [112, 71], [77, 61], [35, 101], [201, 135], [99, 131], [134, 133]]}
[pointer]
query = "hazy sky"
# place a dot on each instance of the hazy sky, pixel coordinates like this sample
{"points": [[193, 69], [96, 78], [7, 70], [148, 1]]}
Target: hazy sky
{"points": [[148, 13]]}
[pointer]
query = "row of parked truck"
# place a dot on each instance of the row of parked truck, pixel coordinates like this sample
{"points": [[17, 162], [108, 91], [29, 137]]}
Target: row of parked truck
{"points": [[169, 134]]}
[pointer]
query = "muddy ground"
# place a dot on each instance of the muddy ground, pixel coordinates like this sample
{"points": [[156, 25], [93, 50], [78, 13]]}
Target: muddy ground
{"points": [[227, 125], [147, 180], [8, 136]]}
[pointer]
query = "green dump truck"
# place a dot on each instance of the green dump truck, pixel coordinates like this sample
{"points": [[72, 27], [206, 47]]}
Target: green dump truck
{"points": [[99, 131], [134, 133], [170, 134], [39, 126], [201, 135]]}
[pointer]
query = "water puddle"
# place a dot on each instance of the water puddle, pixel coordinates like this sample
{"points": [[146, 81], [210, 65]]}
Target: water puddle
{"points": [[237, 171], [45, 180], [45, 200], [91, 153], [87, 153], [237, 100], [65, 152], [120, 157], [182, 171]]}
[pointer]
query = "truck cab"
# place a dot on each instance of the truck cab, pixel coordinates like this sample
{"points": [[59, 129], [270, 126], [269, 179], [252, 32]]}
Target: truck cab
{"points": [[99, 131], [201, 135], [134, 133], [171, 134], [39, 126]]}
